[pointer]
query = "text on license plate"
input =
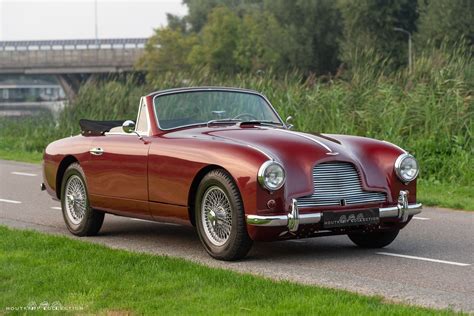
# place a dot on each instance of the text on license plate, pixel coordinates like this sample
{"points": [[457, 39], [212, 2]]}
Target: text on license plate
{"points": [[350, 218]]}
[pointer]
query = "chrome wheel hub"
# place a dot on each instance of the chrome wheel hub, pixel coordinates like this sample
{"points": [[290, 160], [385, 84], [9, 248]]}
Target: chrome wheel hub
{"points": [[76, 199], [216, 215]]}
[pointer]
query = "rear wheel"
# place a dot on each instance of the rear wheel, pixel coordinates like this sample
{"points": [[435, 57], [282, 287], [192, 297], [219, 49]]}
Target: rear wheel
{"points": [[375, 239], [220, 219], [80, 218]]}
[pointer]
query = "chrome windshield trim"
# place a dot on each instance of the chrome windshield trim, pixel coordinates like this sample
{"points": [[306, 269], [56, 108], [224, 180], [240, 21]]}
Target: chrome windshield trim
{"points": [[204, 89]]}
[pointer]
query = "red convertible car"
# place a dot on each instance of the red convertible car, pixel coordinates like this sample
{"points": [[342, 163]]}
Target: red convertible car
{"points": [[222, 160]]}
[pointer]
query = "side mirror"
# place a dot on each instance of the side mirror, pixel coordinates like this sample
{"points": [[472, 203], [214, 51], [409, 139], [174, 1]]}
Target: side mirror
{"points": [[128, 126], [287, 122]]}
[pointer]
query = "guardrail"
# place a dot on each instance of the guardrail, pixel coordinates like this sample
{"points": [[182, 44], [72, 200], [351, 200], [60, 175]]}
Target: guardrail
{"points": [[74, 44]]}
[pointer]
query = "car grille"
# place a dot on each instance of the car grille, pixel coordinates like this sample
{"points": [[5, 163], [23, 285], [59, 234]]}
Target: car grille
{"points": [[338, 183]]}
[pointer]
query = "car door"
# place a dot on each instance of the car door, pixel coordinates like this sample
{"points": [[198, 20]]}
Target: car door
{"points": [[117, 176]]}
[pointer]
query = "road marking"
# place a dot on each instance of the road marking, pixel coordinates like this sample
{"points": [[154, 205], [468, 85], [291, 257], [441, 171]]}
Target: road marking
{"points": [[56, 208], [421, 218], [424, 259], [24, 174], [10, 201]]}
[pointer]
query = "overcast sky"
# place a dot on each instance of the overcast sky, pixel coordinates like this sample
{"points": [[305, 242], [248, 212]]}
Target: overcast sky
{"points": [[73, 19]]}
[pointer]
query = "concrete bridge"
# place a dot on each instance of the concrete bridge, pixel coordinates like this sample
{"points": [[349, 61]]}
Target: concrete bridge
{"points": [[72, 61]]}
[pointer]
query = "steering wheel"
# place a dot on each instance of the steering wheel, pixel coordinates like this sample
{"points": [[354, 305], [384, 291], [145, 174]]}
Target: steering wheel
{"points": [[244, 115]]}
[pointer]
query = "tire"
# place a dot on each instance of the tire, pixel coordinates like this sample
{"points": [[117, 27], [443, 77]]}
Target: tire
{"points": [[221, 224], [375, 239], [80, 218]]}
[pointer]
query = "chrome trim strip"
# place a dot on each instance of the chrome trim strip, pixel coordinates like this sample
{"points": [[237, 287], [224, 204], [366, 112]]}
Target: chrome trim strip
{"points": [[261, 151], [306, 137], [393, 211]]}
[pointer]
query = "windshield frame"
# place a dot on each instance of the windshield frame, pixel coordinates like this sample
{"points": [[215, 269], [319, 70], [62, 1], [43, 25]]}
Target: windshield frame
{"points": [[207, 89]]}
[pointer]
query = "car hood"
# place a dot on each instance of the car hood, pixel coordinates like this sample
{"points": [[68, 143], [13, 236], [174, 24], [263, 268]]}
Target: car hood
{"points": [[299, 152]]}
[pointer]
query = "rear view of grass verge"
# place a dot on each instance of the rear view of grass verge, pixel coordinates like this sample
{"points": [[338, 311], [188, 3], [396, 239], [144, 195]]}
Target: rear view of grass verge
{"points": [[36, 268]]}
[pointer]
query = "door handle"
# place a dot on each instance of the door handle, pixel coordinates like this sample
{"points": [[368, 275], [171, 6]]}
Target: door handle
{"points": [[96, 151]]}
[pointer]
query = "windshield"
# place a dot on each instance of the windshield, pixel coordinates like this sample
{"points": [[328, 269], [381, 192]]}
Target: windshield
{"points": [[205, 107]]}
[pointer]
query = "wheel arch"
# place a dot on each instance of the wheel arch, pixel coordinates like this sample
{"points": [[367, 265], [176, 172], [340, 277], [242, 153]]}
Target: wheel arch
{"points": [[194, 187], [67, 160]]}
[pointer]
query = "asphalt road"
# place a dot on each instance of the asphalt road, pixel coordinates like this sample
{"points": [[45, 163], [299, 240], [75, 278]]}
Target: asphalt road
{"points": [[438, 271]]}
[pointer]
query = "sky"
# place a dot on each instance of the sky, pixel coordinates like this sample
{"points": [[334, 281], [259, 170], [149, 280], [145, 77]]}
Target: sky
{"points": [[75, 19]]}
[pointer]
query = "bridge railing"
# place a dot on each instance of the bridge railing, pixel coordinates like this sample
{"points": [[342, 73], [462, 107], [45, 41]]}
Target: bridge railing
{"points": [[70, 56], [74, 44]]}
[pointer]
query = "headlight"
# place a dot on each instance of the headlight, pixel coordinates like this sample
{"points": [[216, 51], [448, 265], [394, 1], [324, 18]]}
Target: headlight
{"points": [[406, 168], [271, 175]]}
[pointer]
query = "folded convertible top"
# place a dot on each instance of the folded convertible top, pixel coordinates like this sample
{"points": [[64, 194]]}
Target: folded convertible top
{"points": [[97, 128]]}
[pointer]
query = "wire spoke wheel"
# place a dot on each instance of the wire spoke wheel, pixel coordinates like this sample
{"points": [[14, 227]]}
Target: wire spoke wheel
{"points": [[76, 199], [216, 215]]}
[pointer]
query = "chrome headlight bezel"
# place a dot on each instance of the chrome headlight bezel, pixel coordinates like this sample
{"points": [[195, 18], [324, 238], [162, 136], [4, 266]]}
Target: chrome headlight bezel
{"points": [[399, 163], [262, 172]]}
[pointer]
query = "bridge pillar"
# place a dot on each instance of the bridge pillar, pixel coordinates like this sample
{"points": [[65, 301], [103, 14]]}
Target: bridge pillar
{"points": [[70, 84]]}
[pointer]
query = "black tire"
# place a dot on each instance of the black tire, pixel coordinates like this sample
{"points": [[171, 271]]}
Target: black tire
{"points": [[375, 239], [91, 221], [238, 242]]}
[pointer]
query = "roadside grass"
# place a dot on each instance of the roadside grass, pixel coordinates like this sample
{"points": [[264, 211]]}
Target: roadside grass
{"points": [[35, 267], [22, 156], [446, 195]]}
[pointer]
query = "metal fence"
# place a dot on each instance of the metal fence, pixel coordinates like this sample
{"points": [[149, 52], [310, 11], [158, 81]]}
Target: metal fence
{"points": [[74, 44]]}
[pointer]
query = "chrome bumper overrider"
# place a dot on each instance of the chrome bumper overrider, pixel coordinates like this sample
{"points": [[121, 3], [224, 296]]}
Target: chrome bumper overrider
{"points": [[293, 219]]}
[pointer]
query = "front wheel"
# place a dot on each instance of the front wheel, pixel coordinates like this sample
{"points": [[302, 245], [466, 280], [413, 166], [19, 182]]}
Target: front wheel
{"points": [[220, 218], [375, 239], [80, 218]]}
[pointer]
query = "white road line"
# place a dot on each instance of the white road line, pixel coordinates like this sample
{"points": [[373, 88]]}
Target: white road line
{"points": [[24, 174], [56, 208], [10, 201], [424, 259], [421, 218]]}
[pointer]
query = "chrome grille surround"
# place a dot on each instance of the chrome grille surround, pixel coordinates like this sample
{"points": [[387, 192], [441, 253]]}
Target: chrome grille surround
{"points": [[336, 182]]}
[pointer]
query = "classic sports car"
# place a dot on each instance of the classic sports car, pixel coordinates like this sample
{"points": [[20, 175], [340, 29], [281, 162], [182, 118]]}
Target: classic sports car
{"points": [[222, 160]]}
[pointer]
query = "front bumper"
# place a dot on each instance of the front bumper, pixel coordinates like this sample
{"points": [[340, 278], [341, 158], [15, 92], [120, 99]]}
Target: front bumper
{"points": [[293, 219]]}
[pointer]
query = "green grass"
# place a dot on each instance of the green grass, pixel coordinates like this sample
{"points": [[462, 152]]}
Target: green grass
{"points": [[446, 195], [38, 267]]}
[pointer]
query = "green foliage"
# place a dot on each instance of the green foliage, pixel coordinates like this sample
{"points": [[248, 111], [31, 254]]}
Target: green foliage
{"points": [[263, 43], [199, 10], [369, 32], [104, 281], [314, 27], [167, 50], [218, 42], [444, 21]]}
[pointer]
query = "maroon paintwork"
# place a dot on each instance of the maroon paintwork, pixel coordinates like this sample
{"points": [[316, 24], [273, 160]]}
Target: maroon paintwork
{"points": [[155, 178]]}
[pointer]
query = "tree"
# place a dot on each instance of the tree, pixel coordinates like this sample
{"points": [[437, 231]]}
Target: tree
{"points": [[218, 42], [199, 10], [315, 27], [167, 50], [263, 43], [446, 21], [369, 31]]}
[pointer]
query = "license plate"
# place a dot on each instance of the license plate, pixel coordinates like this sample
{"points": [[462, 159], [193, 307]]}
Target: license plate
{"points": [[351, 218]]}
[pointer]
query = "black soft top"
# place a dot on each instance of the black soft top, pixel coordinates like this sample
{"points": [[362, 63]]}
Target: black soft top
{"points": [[97, 128]]}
